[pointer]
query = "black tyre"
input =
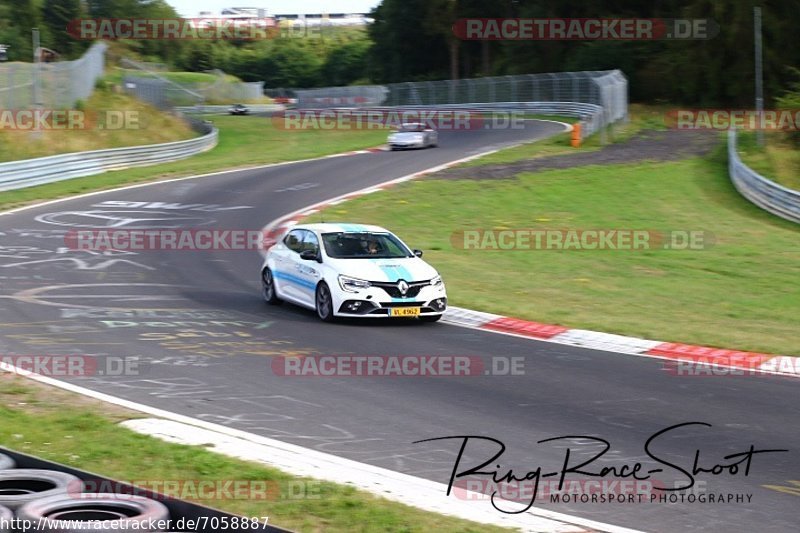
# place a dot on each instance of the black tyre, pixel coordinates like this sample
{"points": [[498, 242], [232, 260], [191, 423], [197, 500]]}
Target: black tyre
{"points": [[6, 462], [324, 303], [268, 288], [430, 318], [97, 512], [22, 485]]}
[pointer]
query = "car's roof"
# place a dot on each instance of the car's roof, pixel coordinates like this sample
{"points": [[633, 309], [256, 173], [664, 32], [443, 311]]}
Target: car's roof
{"points": [[337, 227]]}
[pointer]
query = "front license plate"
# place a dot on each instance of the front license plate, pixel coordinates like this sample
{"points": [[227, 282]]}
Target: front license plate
{"points": [[404, 311]]}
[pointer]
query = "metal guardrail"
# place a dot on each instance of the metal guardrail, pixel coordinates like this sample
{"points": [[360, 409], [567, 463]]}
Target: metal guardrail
{"points": [[766, 194], [590, 115], [31, 172]]}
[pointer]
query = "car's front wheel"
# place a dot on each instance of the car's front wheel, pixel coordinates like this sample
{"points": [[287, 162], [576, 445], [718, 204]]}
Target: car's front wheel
{"points": [[324, 303], [268, 288]]}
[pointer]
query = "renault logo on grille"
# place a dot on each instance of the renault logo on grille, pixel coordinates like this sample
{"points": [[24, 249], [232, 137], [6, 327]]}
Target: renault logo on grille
{"points": [[402, 286]]}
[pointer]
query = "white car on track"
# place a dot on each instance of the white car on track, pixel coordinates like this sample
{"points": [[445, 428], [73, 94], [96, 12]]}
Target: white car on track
{"points": [[413, 135], [352, 270]]}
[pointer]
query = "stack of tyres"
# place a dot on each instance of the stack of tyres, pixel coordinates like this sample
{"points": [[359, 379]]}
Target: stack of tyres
{"points": [[72, 513], [19, 486], [54, 502]]}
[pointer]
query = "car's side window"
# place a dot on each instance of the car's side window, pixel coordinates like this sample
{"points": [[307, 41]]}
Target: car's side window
{"points": [[294, 241], [310, 243]]}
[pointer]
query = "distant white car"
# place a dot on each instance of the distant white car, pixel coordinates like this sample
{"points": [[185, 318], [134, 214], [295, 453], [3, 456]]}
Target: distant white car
{"points": [[239, 109], [352, 270], [413, 135]]}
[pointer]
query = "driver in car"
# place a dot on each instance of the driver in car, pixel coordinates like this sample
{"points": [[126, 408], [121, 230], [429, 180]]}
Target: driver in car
{"points": [[373, 248]]}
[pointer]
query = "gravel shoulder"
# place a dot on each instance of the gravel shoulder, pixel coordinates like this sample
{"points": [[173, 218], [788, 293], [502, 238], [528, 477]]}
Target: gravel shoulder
{"points": [[648, 145]]}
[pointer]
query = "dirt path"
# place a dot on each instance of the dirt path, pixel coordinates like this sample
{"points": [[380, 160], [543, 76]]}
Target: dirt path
{"points": [[668, 145]]}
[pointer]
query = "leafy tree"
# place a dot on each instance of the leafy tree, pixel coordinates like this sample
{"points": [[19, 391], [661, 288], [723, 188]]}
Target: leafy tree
{"points": [[56, 15], [346, 63]]}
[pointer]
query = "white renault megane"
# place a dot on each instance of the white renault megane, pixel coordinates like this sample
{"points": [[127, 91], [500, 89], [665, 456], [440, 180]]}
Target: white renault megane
{"points": [[352, 270]]}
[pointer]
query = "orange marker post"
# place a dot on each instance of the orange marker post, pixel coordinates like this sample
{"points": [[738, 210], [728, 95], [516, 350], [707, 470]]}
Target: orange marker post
{"points": [[576, 135]]}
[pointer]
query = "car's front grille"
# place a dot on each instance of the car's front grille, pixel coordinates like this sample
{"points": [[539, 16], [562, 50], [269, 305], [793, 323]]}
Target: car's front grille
{"points": [[392, 290]]}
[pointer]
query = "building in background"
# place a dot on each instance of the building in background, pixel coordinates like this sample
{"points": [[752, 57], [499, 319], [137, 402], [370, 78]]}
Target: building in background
{"points": [[247, 14]]}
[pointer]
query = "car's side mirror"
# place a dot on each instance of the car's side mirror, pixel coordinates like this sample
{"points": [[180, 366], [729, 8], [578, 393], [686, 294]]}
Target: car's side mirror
{"points": [[418, 253], [310, 255]]}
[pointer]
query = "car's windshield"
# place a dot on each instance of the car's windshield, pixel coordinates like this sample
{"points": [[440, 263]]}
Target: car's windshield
{"points": [[412, 128], [364, 245]]}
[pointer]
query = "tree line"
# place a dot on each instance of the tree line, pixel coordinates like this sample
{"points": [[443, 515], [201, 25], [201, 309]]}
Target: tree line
{"points": [[413, 40]]}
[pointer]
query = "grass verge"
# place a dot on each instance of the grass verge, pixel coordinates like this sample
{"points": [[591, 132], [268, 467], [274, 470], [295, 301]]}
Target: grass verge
{"points": [[82, 433], [245, 141], [741, 293], [778, 159]]}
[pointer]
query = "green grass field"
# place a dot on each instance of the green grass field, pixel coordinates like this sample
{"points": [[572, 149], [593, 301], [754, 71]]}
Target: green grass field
{"points": [[76, 431], [741, 293], [245, 141]]}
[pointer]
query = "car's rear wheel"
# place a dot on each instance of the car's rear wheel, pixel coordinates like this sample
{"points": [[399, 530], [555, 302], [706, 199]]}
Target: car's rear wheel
{"points": [[268, 288], [324, 303], [430, 318]]}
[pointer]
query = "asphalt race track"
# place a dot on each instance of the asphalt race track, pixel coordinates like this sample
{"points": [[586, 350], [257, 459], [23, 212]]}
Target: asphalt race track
{"points": [[210, 348]]}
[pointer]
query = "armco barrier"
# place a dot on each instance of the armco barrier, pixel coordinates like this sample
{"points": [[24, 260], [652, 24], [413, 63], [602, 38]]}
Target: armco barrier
{"points": [[590, 115], [208, 520], [30, 172], [766, 194]]}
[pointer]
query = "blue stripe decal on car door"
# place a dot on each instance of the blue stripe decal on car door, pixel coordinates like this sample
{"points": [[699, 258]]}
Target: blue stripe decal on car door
{"points": [[285, 276]]}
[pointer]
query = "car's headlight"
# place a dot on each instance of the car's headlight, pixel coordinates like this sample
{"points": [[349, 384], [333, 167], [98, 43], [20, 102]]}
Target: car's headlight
{"points": [[349, 284], [437, 281]]}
